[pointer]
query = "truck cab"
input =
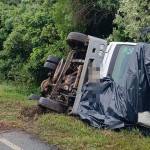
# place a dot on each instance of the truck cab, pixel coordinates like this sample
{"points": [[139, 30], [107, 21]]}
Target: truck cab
{"points": [[115, 63], [114, 60]]}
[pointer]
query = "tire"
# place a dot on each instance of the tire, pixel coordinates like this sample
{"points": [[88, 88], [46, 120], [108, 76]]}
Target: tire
{"points": [[59, 69], [53, 59], [77, 40], [52, 105], [34, 97], [50, 66]]}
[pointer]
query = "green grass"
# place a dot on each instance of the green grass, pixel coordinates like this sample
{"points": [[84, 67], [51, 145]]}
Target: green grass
{"points": [[71, 133], [12, 103], [64, 131], [10, 94], [12, 87]]}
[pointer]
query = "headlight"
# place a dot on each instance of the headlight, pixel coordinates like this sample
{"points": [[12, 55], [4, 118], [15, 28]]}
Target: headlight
{"points": [[102, 46], [100, 53]]}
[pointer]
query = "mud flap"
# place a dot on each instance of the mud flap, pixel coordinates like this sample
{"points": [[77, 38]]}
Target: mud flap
{"points": [[34, 97]]}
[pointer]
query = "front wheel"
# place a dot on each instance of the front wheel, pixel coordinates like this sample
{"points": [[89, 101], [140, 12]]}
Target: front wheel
{"points": [[53, 59], [52, 105], [77, 41], [50, 66]]}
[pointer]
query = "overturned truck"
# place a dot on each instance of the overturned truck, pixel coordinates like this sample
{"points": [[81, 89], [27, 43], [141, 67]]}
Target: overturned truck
{"points": [[62, 91], [107, 85]]}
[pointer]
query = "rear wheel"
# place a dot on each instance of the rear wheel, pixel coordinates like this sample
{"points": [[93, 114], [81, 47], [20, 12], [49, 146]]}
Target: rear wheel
{"points": [[50, 66], [77, 41], [53, 59], [52, 105]]}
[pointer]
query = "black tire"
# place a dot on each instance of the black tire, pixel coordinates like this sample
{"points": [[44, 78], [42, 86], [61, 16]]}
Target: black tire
{"points": [[52, 105], [77, 40], [53, 59], [59, 69], [34, 97], [50, 66]]}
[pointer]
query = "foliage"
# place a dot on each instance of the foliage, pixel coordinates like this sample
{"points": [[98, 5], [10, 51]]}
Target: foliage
{"points": [[64, 21], [131, 17], [11, 2], [95, 15], [28, 36], [30, 30]]}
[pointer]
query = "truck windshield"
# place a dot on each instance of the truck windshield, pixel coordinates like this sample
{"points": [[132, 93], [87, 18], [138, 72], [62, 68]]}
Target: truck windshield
{"points": [[121, 63]]}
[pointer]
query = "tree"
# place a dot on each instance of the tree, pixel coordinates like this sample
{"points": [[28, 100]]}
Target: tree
{"points": [[131, 17], [30, 30], [28, 36], [11, 2], [96, 15]]}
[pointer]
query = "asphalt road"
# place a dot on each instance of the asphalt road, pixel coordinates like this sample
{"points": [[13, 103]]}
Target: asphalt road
{"points": [[22, 141]]}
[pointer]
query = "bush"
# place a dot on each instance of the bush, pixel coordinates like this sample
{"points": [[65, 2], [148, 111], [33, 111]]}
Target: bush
{"points": [[131, 17]]}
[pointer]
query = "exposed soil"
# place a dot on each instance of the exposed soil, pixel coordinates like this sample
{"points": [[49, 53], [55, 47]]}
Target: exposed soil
{"points": [[30, 111], [13, 126]]}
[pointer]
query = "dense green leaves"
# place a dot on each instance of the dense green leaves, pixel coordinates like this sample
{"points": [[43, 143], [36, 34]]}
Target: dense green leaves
{"points": [[30, 30], [132, 16], [27, 36], [95, 15]]}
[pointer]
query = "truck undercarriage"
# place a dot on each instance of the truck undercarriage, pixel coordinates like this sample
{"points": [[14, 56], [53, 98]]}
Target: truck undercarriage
{"points": [[67, 77]]}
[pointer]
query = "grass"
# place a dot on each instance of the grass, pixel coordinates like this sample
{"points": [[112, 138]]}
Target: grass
{"points": [[11, 105], [64, 131], [71, 133], [12, 87]]}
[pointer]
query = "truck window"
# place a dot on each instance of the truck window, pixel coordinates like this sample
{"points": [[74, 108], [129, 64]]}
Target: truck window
{"points": [[121, 63]]}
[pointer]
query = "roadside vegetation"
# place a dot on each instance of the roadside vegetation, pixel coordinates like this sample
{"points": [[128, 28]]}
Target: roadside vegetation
{"points": [[30, 30], [66, 132]]}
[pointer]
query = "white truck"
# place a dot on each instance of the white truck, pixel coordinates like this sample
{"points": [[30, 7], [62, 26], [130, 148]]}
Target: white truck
{"points": [[62, 91]]}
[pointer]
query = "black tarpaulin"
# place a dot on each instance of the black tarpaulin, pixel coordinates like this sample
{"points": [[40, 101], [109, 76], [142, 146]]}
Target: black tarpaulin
{"points": [[111, 106]]}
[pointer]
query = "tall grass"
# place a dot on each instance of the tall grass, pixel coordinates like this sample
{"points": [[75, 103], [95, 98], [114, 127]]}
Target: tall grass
{"points": [[12, 87]]}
